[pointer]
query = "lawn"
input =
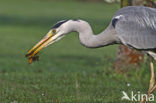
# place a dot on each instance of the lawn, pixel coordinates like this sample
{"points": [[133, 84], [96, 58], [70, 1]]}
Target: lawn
{"points": [[67, 72]]}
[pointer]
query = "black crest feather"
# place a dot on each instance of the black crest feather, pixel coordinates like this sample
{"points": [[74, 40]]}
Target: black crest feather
{"points": [[114, 21], [58, 24]]}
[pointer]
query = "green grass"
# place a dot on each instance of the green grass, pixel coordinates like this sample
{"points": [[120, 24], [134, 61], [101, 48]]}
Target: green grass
{"points": [[67, 72]]}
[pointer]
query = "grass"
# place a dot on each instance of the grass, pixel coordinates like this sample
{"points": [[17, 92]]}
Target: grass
{"points": [[67, 72]]}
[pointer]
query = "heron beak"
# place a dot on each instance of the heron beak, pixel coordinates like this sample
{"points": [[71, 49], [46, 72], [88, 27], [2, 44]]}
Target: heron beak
{"points": [[32, 53]]}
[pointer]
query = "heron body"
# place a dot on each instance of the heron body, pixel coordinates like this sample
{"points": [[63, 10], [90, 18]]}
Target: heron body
{"points": [[134, 26]]}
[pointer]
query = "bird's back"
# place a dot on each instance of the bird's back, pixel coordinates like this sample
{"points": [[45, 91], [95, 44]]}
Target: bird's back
{"points": [[136, 26], [142, 15]]}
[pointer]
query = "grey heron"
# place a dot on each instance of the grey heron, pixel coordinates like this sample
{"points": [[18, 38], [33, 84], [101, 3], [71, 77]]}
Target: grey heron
{"points": [[134, 26]]}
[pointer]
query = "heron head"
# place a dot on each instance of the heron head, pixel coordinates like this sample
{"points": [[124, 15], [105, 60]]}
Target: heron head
{"points": [[56, 32]]}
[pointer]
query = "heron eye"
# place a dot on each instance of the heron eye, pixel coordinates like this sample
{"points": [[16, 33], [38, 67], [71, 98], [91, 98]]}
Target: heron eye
{"points": [[54, 31]]}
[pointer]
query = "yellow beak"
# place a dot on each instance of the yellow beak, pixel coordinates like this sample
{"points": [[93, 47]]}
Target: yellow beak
{"points": [[32, 53]]}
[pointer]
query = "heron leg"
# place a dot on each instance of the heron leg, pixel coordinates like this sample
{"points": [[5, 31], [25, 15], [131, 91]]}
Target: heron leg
{"points": [[152, 80], [152, 85]]}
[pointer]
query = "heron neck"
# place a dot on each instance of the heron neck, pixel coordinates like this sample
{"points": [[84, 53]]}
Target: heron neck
{"points": [[90, 40]]}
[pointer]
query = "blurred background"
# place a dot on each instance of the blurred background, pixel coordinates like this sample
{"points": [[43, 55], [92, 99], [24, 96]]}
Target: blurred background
{"points": [[67, 72]]}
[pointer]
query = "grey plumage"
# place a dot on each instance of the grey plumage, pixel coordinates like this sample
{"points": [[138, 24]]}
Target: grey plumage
{"points": [[137, 27]]}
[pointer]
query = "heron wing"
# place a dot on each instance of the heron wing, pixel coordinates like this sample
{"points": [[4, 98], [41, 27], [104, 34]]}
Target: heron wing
{"points": [[136, 26]]}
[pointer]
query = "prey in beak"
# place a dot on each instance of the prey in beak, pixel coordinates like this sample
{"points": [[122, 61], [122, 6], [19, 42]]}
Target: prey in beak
{"points": [[48, 39], [56, 33]]}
